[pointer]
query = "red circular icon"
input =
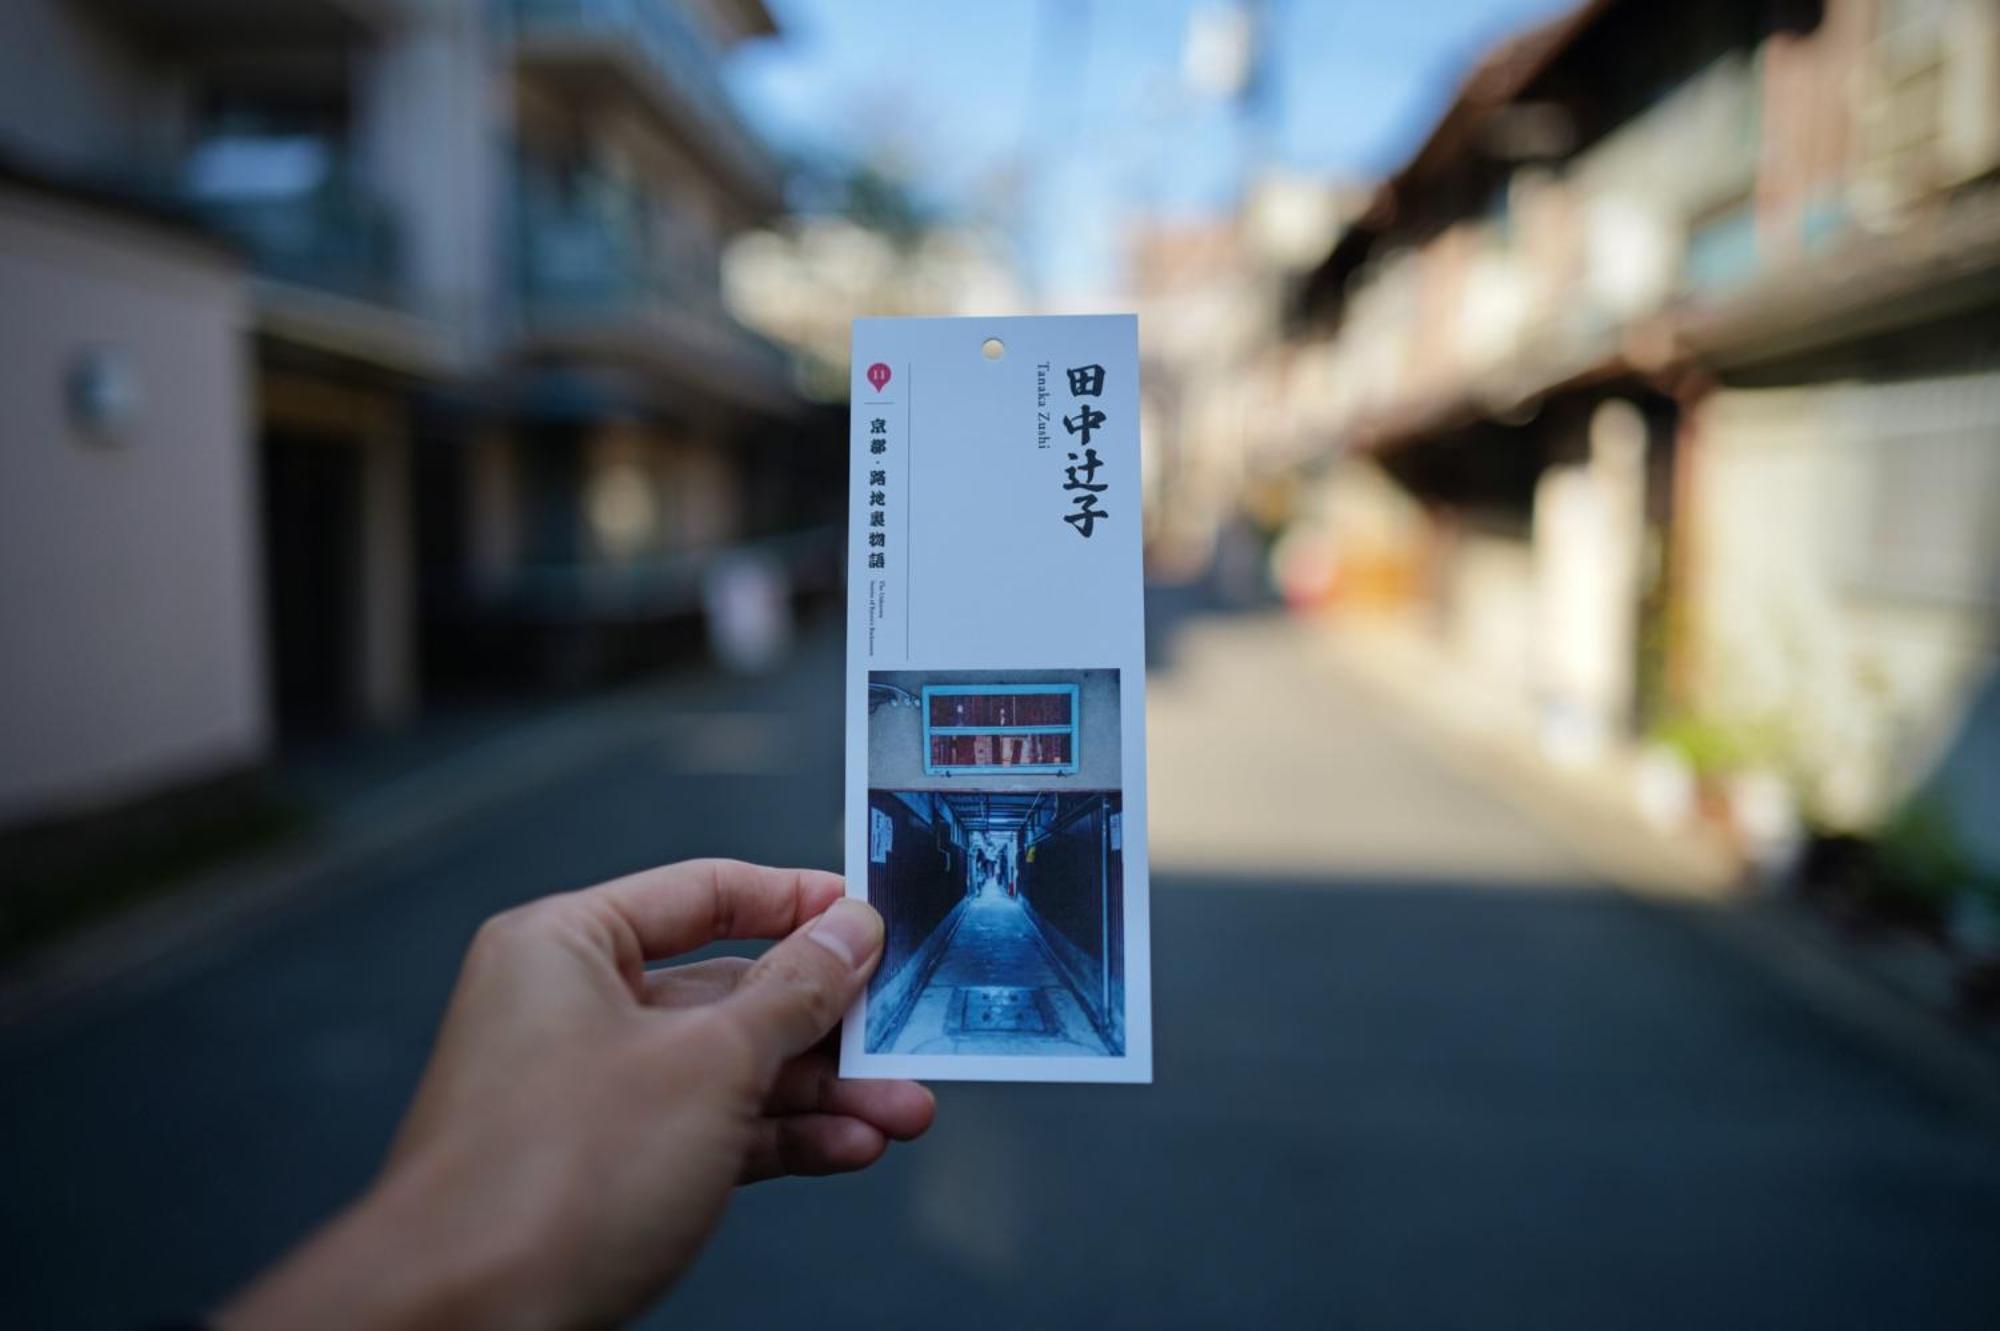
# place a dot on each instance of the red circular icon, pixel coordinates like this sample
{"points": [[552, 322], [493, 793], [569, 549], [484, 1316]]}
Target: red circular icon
{"points": [[878, 375]]}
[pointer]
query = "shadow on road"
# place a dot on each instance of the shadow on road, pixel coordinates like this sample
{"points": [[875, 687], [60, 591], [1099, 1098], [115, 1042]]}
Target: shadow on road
{"points": [[1410, 1103], [1474, 1095]]}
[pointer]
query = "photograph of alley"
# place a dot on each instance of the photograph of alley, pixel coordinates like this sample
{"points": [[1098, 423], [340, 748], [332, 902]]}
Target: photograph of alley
{"points": [[996, 856]]}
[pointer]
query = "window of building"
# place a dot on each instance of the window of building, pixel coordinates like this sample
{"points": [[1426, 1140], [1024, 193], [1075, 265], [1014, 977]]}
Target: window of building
{"points": [[1926, 498], [1007, 728]]}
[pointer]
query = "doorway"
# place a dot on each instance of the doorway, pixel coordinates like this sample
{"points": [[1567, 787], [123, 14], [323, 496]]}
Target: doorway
{"points": [[312, 496]]}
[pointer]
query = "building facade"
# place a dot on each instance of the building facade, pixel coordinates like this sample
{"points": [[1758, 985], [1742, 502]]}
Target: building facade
{"points": [[1678, 335], [1211, 296], [486, 414], [128, 544]]}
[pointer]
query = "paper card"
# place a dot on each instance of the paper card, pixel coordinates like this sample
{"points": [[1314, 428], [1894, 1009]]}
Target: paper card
{"points": [[996, 749]]}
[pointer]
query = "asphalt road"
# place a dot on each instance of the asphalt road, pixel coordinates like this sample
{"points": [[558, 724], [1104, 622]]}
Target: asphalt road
{"points": [[1413, 1071]]}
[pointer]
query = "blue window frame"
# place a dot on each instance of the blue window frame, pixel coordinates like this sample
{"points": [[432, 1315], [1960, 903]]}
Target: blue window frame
{"points": [[1006, 740]]}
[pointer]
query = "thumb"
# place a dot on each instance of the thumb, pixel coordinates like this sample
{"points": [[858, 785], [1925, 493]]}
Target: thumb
{"points": [[797, 991]]}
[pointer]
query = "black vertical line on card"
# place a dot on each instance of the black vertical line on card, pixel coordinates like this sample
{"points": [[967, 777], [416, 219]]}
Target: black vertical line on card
{"points": [[909, 480]]}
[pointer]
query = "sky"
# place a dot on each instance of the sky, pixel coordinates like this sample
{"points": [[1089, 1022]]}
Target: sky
{"points": [[1062, 121]]}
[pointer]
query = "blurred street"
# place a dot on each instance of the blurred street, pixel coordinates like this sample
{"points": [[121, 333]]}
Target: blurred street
{"points": [[1415, 1067]]}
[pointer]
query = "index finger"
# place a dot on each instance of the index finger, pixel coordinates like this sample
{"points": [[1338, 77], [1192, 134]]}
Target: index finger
{"points": [[679, 907]]}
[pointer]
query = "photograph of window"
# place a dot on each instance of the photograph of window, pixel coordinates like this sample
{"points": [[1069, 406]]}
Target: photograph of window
{"points": [[972, 728], [996, 857]]}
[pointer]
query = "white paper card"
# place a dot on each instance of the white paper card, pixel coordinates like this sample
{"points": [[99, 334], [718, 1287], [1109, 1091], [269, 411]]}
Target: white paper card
{"points": [[996, 749]]}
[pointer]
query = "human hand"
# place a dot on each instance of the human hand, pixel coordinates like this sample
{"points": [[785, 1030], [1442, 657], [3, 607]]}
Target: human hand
{"points": [[583, 1119]]}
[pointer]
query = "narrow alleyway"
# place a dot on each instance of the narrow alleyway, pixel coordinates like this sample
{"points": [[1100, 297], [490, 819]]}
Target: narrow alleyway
{"points": [[1007, 942], [996, 990]]}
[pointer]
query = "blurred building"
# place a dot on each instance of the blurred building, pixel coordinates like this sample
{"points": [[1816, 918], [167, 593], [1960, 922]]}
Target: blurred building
{"points": [[1670, 363], [455, 396], [1211, 295], [804, 282], [128, 546]]}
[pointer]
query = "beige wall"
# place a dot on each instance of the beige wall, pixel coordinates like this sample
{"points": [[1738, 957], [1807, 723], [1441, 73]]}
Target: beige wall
{"points": [[1490, 609], [492, 510], [649, 492], [388, 578], [128, 585]]}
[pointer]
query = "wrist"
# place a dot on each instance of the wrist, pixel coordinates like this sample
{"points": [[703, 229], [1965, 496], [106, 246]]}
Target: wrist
{"points": [[407, 1254]]}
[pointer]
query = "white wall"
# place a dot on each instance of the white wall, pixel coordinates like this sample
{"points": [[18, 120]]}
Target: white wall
{"points": [[128, 586], [1846, 541], [1589, 533], [434, 109]]}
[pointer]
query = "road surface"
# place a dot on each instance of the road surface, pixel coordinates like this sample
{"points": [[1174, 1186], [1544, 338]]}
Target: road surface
{"points": [[1415, 1068]]}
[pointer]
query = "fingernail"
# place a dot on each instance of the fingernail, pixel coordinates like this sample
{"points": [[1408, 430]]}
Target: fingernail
{"points": [[848, 930]]}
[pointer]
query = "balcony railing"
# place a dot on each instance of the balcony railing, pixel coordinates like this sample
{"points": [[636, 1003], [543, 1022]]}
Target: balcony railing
{"points": [[679, 58], [335, 238], [591, 259], [593, 270]]}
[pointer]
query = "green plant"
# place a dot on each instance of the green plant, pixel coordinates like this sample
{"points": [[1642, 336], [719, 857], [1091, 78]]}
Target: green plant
{"points": [[1922, 855], [1715, 748]]}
